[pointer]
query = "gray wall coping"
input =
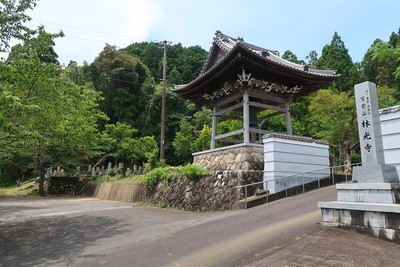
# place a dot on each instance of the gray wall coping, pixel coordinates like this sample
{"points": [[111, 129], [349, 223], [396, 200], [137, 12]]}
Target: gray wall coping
{"points": [[389, 110], [372, 207], [228, 148], [295, 138], [368, 186]]}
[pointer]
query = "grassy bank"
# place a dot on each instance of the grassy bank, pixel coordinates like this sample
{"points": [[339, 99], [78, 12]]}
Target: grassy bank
{"points": [[17, 191], [120, 179]]}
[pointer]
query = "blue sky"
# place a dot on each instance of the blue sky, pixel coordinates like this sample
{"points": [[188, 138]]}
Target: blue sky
{"points": [[298, 26]]}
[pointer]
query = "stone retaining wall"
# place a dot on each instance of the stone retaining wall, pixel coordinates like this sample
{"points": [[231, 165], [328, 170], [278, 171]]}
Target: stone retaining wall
{"points": [[208, 194], [228, 167], [237, 157], [124, 192]]}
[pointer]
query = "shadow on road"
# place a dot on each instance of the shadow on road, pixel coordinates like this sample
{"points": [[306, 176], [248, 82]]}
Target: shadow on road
{"points": [[53, 240]]}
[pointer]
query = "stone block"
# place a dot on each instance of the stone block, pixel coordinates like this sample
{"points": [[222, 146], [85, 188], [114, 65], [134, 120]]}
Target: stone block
{"points": [[374, 219], [369, 193], [375, 174]]}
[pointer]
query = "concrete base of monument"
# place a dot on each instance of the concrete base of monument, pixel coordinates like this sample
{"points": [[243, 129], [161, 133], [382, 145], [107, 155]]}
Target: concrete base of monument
{"points": [[375, 173], [385, 193], [369, 208], [377, 219]]}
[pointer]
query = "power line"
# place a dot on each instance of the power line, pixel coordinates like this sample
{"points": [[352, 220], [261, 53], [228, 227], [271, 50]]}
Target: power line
{"points": [[102, 39], [86, 34], [126, 37]]}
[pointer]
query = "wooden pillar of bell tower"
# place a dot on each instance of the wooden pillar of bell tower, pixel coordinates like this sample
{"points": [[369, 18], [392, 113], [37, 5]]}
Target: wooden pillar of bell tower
{"points": [[214, 127], [288, 118], [246, 117]]}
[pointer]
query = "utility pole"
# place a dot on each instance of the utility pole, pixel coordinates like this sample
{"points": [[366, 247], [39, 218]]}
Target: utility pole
{"points": [[164, 88]]}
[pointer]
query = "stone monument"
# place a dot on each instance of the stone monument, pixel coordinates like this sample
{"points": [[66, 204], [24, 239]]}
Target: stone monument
{"points": [[373, 169], [371, 203]]}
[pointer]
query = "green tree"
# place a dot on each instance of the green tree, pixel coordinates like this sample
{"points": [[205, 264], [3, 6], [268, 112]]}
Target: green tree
{"points": [[126, 85], [299, 113], [369, 65], [333, 118], [151, 54], [386, 61], [45, 117], [42, 44], [394, 39], [203, 139], [188, 62], [177, 109], [312, 60], [148, 151], [76, 73], [335, 56], [174, 77], [120, 142], [12, 19], [289, 55], [202, 117], [387, 97], [194, 135], [183, 141]]}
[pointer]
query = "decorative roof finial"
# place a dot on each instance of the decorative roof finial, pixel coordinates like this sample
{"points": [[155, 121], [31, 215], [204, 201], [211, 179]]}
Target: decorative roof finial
{"points": [[265, 53]]}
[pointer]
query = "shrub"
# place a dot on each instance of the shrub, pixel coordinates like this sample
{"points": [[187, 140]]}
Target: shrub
{"points": [[153, 177], [167, 173], [193, 172]]}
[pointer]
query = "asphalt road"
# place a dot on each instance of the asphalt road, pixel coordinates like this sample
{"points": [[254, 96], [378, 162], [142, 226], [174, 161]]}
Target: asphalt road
{"points": [[92, 232]]}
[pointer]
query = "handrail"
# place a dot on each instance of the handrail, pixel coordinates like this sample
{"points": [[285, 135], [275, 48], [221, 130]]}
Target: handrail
{"points": [[331, 169]]}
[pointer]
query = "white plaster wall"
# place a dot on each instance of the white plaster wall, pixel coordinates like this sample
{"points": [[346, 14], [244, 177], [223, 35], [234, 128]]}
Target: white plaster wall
{"points": [[285, 157], [390, 125]]}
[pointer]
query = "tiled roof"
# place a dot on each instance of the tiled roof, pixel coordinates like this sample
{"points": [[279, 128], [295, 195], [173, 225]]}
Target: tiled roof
{"points": [[227, 43], [229, 56], [389, 110]]}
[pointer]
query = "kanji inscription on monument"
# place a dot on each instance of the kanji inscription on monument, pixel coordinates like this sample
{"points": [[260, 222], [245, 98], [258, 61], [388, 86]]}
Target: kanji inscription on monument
{"points": [[373, 169], [369, 126]]}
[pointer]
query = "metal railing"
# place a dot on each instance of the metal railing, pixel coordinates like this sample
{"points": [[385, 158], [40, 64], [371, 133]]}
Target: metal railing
{"points": [[285, 179]]}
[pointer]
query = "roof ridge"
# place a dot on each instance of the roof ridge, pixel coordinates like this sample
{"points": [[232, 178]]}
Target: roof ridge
{"points": [[227, 43], [389, 110]]}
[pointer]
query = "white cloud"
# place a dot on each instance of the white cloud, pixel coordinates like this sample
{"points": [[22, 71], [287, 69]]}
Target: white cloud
{"points": [[89, 24], [135, 18], [285, 24]]}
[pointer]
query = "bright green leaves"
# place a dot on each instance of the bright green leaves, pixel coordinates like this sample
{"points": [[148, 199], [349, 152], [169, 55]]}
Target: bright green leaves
{"points": [[194, 135], [333, 119], [167, 174], [12, 19], [46, 118], [119, 142], [387, 61]]}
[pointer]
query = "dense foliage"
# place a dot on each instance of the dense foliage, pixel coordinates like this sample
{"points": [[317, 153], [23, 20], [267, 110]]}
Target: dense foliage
{"points": [[12, 19], [185, 63], [63, 115], [45, 118], [168, 173]]}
